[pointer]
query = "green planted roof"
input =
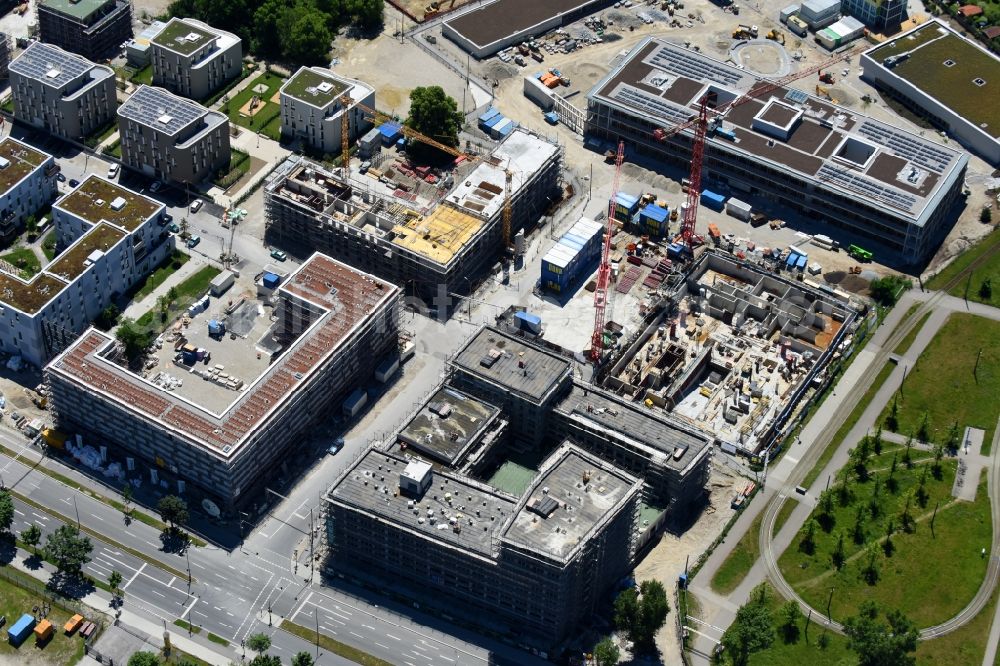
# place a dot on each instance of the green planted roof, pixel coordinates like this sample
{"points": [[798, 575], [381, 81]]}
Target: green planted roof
{"points": [[317, 89]]}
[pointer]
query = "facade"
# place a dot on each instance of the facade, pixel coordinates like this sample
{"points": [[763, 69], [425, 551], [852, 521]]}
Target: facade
{"points": [[312, 108], [883, 15], [193, 59], [944, 78], [872, 182], [5, 50], [431, 251], [27, 183], [109, 238], [537, 563], [62, 93], [94, 29], [171, 138], [819, 13], [333, 324]]}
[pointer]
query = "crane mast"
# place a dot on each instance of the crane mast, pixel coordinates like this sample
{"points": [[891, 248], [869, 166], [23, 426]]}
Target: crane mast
{"points": [[604, 271]]}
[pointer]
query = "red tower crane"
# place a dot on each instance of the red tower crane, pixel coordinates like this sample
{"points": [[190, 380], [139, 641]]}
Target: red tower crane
{"points": [[604, 270], [694, 180]]}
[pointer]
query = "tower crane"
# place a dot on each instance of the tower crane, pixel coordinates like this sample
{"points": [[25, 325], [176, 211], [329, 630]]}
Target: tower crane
{"points": [[604, 270], [700, 124]]}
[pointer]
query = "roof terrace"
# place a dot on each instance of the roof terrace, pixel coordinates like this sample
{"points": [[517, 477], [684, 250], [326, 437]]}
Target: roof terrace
{"points": [[183, 36], [314, 87]]}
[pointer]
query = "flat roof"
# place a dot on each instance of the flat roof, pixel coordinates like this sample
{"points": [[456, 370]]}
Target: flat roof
{"points": [[661, 83], [22, 161], [500, 19], [161, 109], [29, 296], [945, 66], [183, 36], [438, 236], [75, 259], [371, 485], [482, 191], [79, 9], [518, 366], [84, 203], [447, 425], [315, 86], [50, 64], [573, 494], [634, 422], [345, 300]]}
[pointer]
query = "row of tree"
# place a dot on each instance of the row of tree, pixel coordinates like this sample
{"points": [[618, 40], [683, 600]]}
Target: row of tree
{"points": [[300, 31], [259, 644]]}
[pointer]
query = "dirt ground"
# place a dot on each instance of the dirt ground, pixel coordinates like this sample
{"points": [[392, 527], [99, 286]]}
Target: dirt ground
{"points": [[665, 562]]}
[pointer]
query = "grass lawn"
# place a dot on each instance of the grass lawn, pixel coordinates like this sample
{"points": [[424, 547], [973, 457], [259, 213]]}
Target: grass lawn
{"points": [[143, 76], [263, 120], [15, 602], [239, 165], [907, 342], [928, 577], [783, 513], [845, 427], [962, 646], [187, 626], [738, 563], [179, 657], [942, 383], [157, 277], [331, 645], [991, 268], [193, 287], [24, 260], [49, 245]]}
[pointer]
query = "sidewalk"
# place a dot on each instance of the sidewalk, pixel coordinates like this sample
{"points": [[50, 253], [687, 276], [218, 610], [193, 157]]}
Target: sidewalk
{"points": [[138, 308]]}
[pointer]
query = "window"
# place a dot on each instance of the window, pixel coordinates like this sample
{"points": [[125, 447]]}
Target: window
{"points": [[979, 82], [949, 63]]}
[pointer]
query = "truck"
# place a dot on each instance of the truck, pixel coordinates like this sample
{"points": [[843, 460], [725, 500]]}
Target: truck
{"points": [[714, 233], [537, 56], [859, 253]]}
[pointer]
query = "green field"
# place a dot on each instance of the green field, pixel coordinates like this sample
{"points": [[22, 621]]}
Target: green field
{"points": [[946, 385], [190, 289], [49, 245], [907, 342], [24, 260], [929, 577], [990, 268], [740, 560], [268, 119], [963, 646], [15, 601], [157, 277]]}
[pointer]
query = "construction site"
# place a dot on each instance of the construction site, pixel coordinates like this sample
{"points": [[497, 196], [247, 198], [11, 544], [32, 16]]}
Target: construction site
{"points": [[231, 386], [434, 240]]}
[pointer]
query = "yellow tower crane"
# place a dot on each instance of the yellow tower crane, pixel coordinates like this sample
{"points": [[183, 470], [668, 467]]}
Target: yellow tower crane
{"points": [[345, 133]]}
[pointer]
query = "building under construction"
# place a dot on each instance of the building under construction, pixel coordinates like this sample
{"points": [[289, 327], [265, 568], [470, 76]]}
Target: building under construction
{"points": [[430, 247], [223, 431]]}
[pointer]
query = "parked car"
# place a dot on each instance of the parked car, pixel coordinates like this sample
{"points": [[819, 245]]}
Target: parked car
{"points": [[174, 228], [336, 446], [196, 205], [155, 187], [193, 241], [365, 166], [73, 182], [61, 177], [113, 170], [279, 255]]}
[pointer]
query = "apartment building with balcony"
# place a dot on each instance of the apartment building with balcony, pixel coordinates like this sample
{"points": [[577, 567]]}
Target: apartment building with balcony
{"points": [[313, 104], [94, 29], [27, 183], [193, 59]]}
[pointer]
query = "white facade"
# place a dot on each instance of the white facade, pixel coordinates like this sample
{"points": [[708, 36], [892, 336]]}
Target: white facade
{"points": [[314, 113], [27, 182], [193, 59]]}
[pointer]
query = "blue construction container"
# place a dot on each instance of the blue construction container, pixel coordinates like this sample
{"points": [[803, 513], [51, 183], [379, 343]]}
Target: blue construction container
{"points": [[712, 200], [488, 115], [557, 267], [21, 629], [626, 206], [791, 260], [528, 322], [505, 129], [675, 250], [726, 133], [654, 220], [270, 280], [391, 132], [801, 263], [491, 122], [572, 256]]}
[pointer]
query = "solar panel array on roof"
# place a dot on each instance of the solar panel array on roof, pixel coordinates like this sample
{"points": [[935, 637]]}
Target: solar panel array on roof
{"points": [[867, 187], [923, 153], [48, 63], [650, 104], [796, 96], [160, 109], [692, 66]]}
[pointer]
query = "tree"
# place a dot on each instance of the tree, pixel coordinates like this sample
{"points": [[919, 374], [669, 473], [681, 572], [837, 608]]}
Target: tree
{"points": [[434, 114], [259, 643], [808, 543], [127, 499], [952, 440], [844, 494], [873, 505], [859, 458], [163, 307], [31, 536], [108, 317], [306, 38], [870, 571], [789, 616], [31, 226], [907, 457], [858, 532], [266, 660], [653, 610], [922, 495], [366, 13], [268, 19], [626, 610], [881, 643], [6, 511], [877, 440], [752, 630], [144, 659], [825, 506], [891, 483], [839, 556], [132, 339], [892, 420], [68, 549], [606, 653], [905, 517], [886, 291], [173, 510], [986, 215], [924, 431], [888, 547], [986, 289], [303, 659], [115, 583]]}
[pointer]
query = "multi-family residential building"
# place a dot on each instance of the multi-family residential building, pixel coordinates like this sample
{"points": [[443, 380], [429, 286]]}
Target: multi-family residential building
{"points": [[872, 183], [884, 15], [312, 108], [94, 29], [27, 183], [331, 326], [172, 138], [193, 59], [62, 93], [5, 49], [108, 238]]}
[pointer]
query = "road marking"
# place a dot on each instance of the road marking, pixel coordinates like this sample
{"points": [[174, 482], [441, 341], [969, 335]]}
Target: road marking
{"points": [[134, 576], [39, 517], [159, 593], [98, 517], [198, 612], [172, 579], [231, 567], [384, 647], [221, 576], [442, 656], [301, 606], [195, 564], [395, 638], [356, 634], [18, 513]]}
